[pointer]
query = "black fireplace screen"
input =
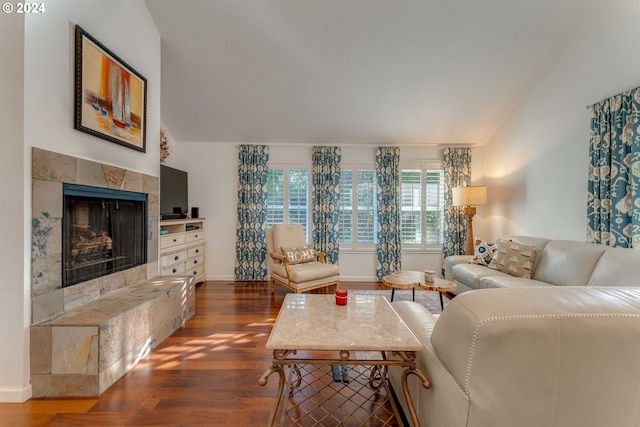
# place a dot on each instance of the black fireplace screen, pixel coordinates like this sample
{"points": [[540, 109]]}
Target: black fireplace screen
{"points": [[103, 231]]}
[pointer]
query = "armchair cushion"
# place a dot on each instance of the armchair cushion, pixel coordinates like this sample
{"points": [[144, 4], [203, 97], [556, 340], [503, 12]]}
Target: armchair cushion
{"points": [[307, 271], [288, 235]]}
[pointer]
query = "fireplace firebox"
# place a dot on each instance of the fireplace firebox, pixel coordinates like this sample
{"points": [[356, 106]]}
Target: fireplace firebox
{"points": [[103, 231]]}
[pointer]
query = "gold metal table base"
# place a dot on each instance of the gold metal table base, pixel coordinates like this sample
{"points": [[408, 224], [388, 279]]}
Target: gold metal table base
{"points": [[323, 401]]}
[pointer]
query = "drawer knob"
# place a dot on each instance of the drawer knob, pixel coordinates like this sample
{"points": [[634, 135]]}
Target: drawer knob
{"points": [[176, 258], [175, 240], [195, 272], [197, 251], [196, 236], [195, 261], [175, 271]]}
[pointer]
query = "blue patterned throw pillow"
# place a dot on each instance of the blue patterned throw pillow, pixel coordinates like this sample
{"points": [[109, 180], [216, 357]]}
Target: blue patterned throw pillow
{"points": [[483, 252]]}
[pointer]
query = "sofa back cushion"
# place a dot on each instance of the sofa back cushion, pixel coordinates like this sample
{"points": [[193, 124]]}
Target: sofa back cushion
{"points": [[617, 267], [567, 263], [539, 354]]}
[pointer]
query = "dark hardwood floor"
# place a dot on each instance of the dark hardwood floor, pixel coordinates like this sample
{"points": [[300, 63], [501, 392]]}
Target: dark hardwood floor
{"points": [[205, 374]]}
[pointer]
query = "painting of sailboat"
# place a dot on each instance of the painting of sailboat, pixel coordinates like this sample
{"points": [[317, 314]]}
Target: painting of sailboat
{"points": [[110, 95]]}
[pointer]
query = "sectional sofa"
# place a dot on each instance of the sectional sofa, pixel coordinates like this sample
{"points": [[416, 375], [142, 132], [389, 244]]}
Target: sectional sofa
{"points": [[555, 263], [528, 357], [560, 347]]}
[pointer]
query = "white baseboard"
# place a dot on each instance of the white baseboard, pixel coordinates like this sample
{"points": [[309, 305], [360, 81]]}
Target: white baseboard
{"points": [[220, 278], [15, 394], [357, 279]]}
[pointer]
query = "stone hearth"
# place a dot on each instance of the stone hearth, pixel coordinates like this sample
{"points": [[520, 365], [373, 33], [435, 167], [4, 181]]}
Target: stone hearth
{"points": [[86, 336]]}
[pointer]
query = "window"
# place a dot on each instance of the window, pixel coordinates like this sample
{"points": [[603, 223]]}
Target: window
{"points": [[358, 186], [366, 193], [345, 230], [288, 199], [422, 207], [411, 207], [275, 197], [434, 209], [422, 204]]}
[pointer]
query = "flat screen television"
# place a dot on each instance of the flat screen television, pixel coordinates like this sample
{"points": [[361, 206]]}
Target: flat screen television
{"points": [[174, 193]]}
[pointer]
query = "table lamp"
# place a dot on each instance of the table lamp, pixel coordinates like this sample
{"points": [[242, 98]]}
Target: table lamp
{"points": [[469, 197]]}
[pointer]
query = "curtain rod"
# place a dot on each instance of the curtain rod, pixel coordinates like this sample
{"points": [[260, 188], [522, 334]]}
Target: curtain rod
{"points": [[588, 107]]}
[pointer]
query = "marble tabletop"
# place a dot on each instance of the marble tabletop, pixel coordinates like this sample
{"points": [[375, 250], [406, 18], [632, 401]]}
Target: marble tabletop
{"points": [[316, 322]]}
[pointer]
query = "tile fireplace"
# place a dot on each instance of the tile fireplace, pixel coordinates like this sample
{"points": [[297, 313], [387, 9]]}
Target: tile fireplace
{"points": [[98, 303], [52, 172]]}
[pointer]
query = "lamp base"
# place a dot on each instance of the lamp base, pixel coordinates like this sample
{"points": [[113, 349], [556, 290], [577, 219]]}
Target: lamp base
{"points": [[469, 212]]}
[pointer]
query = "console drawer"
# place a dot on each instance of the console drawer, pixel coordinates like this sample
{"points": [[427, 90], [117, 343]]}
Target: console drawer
{"points": [[195, 271], [171, 240], [167, 260], [193, 252], [174, 269], [195, 261], [194, 236]]}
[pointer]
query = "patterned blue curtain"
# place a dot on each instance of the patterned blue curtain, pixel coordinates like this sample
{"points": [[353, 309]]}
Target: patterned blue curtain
{"points": [[325, 198], [613, 202], [457, 173], [251, 248], [388, 210]]}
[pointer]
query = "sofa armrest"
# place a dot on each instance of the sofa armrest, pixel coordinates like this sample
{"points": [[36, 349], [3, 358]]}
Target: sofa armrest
{"points": [[452, 260], [494, 341], [445, 403]]}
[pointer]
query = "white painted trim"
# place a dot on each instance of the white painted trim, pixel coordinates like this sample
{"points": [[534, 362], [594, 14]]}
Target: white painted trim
{"points": [[358, 279], [15, 394], [220, 278]]}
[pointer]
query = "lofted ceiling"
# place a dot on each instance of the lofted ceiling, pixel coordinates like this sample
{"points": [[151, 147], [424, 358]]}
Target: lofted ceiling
{"points": [[354, 71]]}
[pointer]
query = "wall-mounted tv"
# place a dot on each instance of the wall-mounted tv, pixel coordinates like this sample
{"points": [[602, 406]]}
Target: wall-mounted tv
{"points": [[174, 193]]}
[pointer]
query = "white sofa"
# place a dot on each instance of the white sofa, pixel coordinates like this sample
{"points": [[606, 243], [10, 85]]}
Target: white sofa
{"points": [[557, 263], [528, 356]]}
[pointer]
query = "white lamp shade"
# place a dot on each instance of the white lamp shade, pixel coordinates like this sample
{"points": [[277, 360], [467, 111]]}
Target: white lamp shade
{"points": [[470, 196]]}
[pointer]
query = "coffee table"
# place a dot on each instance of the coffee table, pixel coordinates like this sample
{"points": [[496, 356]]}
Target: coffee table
{"points": [[366, 332], [408, 279]]}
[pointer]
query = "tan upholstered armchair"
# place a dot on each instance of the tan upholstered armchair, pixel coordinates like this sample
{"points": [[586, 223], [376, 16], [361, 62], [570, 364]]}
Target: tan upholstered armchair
{"points": [[294, 264]]}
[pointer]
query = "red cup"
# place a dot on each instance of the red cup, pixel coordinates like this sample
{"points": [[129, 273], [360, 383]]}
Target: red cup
{"points": [[341, 297]]}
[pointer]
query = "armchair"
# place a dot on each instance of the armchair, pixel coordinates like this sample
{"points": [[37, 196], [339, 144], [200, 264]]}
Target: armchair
{"points": [[297, 267]]}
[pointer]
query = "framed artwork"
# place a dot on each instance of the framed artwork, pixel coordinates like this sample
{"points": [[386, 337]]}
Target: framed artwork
{"points": [[110, 96]]}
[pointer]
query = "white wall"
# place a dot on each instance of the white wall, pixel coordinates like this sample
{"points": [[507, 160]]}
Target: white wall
{"points": [[40, 75], [213, 187], [123, 26], [14, 262], [536, 165]]}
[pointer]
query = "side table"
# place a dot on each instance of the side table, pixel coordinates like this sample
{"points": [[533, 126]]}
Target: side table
{"points": [[409, 279]]}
